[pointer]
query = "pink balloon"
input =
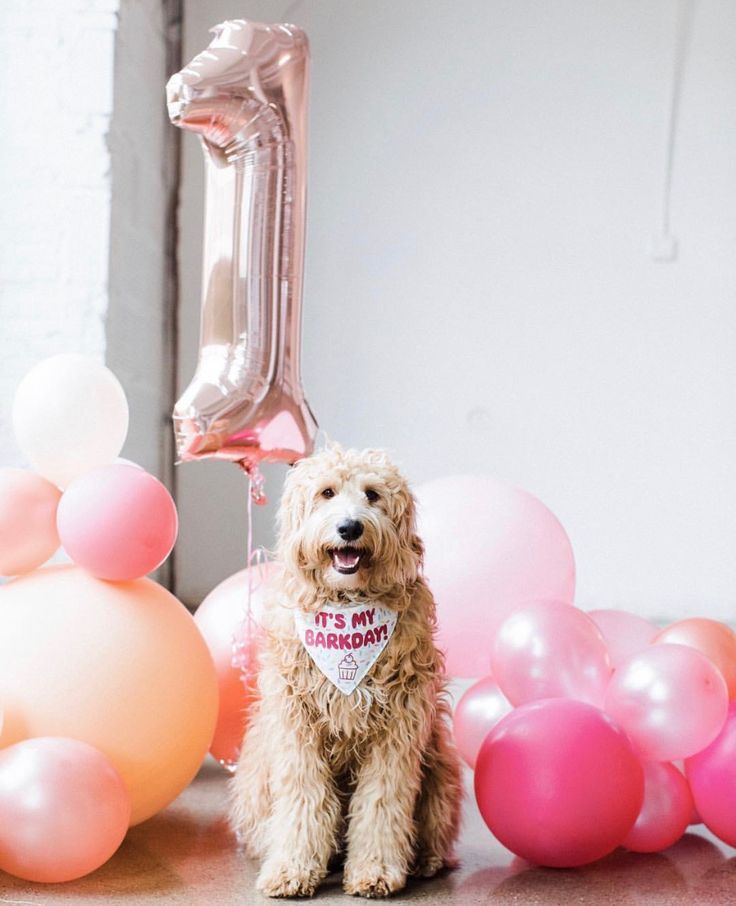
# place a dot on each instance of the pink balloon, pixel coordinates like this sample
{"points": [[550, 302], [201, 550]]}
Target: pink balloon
{"points": [[666, 812], [670, 699], [118, 522], [625, 633], [489, 549], [550, 649], [479, 710], [28, 535], [712, 777], [221, 619], [64, 809], [558, 783]]}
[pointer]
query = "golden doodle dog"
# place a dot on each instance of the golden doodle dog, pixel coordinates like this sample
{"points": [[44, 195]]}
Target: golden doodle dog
{"points": [[348, 752]]}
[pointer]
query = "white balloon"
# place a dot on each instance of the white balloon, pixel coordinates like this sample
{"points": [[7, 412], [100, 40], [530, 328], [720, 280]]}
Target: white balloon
{"points": [[70, 415]]}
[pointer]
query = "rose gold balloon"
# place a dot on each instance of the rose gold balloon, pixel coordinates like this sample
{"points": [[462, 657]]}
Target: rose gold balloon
{"points": [[64, 809], [246, 96], [715, 640]]}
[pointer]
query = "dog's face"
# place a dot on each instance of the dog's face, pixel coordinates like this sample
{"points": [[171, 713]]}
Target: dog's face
{"points": [[347, 522]]}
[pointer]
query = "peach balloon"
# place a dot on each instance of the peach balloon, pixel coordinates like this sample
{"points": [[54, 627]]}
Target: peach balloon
{"points": [[121, 666], [713, 639], [221, 620], [28, 535], [64, 808]]}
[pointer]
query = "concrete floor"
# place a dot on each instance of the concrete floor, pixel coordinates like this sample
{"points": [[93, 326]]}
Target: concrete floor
{"points": [[187, 855]]}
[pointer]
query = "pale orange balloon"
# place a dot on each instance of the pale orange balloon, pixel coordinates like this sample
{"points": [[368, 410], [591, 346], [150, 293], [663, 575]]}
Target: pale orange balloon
{"points": [[221, 618], [713, 639], [120, 665], [28, 535]]}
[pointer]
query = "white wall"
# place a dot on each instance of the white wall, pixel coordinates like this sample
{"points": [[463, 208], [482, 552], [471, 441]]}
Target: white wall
{"points": [[485, 179], [85, 187], [56, 69]]}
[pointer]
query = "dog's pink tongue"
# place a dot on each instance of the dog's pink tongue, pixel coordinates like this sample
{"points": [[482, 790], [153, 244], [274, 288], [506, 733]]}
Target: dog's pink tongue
{"points": [[346, 559]]}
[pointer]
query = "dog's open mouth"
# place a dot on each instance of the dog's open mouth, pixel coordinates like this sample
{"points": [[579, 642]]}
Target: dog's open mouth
{"points": [[347, 560]]}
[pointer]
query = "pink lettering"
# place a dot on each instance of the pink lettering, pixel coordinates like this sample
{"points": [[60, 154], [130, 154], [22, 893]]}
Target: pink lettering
{"points": [[319, 640], [332, 640], [339, 621], [357, 639], [309, 637], [344, 641]]}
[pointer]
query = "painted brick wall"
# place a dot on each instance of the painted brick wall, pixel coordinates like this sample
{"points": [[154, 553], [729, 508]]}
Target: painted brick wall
{"points": [[56, 69]]}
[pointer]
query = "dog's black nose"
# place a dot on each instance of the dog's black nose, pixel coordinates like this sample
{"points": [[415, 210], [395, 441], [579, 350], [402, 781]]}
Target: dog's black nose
{"points": [[350, 529]]}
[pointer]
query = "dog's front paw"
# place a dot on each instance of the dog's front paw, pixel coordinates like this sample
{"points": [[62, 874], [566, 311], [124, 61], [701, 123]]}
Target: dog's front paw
{"points": [[430, 864], [373, 879], [288, 879]]}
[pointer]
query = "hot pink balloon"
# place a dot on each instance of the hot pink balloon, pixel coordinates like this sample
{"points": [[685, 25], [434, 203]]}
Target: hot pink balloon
{"points": [[28, 535], [479, 710], [221, 619], [670, 699], [666, 812], [558, 783], [489, 549], [712, 777], [118, 522], [625, 633], [550, 649], [64, 809]]}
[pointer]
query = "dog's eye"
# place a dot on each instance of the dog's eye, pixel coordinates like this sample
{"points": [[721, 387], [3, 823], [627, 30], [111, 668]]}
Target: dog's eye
{"points": [[327, 493], [371, 495]]}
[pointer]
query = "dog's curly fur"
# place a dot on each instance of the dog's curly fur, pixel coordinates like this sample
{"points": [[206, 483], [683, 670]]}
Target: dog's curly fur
{"points": [[373, 775]]}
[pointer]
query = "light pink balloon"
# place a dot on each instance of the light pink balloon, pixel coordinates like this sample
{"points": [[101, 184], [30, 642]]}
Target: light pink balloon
{"points": [[558, 783], [221, 619], [550, 649], [64, 809], [489, 549], [671, 700], [666, 812], [712, 777], [479, 710], [625, 633], [117, 522], [28, 535]]}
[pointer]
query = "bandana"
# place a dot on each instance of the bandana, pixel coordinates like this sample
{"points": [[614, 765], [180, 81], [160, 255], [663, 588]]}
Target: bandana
{"points": [[345, 642]]}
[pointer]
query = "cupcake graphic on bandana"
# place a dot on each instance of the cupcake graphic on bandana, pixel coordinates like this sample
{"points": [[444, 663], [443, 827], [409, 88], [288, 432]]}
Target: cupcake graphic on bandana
{"points": [[347, 668]]}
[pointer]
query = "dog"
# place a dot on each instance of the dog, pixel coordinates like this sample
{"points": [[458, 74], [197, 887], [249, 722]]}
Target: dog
{"points": [[369, 775]]}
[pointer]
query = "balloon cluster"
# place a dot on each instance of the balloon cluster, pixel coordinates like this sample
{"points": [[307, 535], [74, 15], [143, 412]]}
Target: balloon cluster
{"points": [[575, 735], [107, 689]]}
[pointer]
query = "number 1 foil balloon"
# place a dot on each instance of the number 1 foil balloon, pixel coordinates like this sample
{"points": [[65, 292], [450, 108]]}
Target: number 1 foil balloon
{"points": [[246, 97]]}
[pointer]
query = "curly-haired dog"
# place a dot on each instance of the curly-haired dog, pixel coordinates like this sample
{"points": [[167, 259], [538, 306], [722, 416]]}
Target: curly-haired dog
{"points": [[373, 772]]}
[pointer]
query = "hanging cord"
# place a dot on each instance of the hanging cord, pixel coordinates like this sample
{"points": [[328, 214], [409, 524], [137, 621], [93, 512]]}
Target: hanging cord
{"points": [[664, 244], [247, 636]]}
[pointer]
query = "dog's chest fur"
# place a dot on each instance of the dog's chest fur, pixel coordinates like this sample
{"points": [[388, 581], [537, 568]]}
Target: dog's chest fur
{"points": [[346, 724]]}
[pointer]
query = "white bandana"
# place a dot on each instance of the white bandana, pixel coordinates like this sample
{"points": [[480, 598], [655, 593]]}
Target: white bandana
{"points": [[345, 642]]}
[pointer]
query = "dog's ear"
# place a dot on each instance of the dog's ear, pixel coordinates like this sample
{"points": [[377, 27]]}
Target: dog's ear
{"points": [[411, 548], [290, 516]]}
